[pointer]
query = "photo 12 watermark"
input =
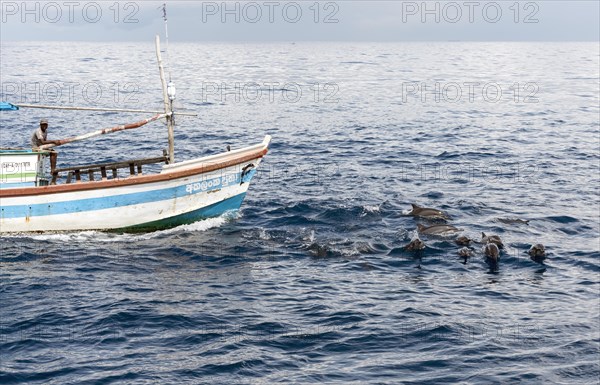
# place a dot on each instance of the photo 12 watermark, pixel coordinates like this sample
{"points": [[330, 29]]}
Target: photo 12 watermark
{"points": [[54, 12], [313, 175], [452, 12], [515, 173], [469, 92], [471, 332], [269, 92], [253, 12], [56, 93]]}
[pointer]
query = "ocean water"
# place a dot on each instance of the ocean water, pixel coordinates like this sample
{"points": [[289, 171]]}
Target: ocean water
{"points": [[309, 282]]}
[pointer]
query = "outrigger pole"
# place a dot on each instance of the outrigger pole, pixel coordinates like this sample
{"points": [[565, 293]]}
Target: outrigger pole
{"points": [[104, 131]]}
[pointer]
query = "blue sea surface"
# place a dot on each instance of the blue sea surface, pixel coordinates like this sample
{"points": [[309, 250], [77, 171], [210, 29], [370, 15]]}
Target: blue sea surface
{"points": [[309, 283]]}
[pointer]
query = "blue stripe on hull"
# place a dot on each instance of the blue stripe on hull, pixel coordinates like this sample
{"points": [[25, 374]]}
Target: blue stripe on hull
{"points": [[196, 186], [214, 210], [17, 185]]}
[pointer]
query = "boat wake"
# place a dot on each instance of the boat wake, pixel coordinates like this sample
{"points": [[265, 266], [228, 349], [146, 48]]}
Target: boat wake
{"points": [[99, 236]]}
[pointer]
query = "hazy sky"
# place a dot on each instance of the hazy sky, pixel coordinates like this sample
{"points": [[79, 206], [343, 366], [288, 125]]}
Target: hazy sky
{"points": [[302, 20]]}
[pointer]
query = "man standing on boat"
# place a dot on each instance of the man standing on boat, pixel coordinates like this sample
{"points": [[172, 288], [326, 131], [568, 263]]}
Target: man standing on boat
{"points": [[40, 138]]}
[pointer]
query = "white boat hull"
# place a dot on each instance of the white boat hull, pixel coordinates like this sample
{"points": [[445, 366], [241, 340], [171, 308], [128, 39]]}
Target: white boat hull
{"points": [[182, 193]]}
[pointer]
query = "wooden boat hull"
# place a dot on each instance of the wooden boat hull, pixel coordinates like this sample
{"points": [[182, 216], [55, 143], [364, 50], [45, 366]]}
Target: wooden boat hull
{"points": [[182, 193]]}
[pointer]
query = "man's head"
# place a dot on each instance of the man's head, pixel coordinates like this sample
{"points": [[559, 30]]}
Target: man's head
{"points": [[44, 124]]}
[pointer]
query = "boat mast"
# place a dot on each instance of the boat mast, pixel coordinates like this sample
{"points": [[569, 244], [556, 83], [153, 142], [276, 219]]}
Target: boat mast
{"points": [[168, 103]]}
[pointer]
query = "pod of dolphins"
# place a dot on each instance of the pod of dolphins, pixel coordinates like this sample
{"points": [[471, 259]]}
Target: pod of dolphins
{"points": [[492, 244]]}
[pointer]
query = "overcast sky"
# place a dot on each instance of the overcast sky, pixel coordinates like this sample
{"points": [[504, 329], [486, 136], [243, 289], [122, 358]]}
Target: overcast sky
{"points": [[302, 20]]}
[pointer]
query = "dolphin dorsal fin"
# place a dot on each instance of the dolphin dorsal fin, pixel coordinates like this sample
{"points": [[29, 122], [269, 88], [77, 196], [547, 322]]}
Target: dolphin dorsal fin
{"points": [[415, 206], [483, 235]]}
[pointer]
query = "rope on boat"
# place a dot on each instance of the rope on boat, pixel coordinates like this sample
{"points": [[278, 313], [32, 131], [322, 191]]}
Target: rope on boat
{"points": [[85, 108], [97, 109]]}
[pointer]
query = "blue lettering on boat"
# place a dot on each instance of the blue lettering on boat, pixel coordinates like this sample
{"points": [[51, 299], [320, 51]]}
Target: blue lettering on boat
{"points": [[108, 202]]}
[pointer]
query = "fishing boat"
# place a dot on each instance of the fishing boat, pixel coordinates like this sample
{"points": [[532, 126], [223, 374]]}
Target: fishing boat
{"points": [[120, 196]]}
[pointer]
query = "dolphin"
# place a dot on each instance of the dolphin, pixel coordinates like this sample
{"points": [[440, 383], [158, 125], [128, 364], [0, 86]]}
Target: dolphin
{"points": [[537, 252], [463, 241], [465, 252], [424, 212], [492, 239], [319, 251], [437, 229], [415, 245], [511, 221], [491, 252]]}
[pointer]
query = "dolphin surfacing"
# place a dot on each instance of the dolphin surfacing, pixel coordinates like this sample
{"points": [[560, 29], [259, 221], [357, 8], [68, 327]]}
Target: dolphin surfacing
{"points": [[485, 239], [437, 229], [491, 252], [512, 221], [425, 212], [537, 252], [463, 241], [415, 245]]}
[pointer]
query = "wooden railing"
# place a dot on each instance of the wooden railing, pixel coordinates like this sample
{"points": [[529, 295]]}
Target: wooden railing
{"points": [[103, 168]]}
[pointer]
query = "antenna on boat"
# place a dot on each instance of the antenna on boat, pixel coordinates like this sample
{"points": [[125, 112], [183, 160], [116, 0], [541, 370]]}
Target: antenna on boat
{"points": [[170, 86], [164, 10]]}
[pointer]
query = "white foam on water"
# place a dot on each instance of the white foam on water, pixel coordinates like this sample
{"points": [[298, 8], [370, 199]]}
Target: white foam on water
{"points": [[80, 236], [99, 236], [199, 226], [264, 235], [414, 234], [370, 209]]}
